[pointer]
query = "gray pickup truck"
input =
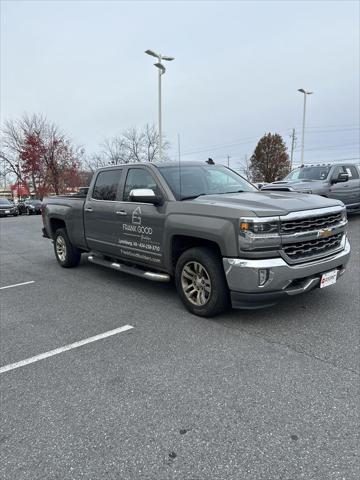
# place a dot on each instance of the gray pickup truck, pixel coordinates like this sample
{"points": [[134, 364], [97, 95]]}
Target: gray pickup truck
{"points": [[220, 238], [337, 180]]}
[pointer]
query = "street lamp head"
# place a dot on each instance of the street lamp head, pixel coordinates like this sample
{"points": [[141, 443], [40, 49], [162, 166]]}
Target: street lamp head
{"points": [[169, 59], [152, 53], [161, 67], [303, 91]]}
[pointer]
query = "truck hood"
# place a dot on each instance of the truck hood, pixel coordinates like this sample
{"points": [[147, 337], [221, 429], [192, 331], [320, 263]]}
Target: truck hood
{"points": [[269, 203], [294, 184]]}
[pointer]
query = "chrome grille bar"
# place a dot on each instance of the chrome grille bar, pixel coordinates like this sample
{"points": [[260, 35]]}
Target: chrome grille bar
{"points": [[310, 224], [302, 250]]}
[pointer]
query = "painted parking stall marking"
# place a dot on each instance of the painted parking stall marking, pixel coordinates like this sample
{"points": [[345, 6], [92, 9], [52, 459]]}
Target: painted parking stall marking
{"points": [[17, 285], [71, 346]]}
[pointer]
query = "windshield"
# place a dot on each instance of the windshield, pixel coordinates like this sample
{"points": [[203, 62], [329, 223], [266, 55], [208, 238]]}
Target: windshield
{"points": [[4, 201], [33, 202], [309, 173], [203, 180]]}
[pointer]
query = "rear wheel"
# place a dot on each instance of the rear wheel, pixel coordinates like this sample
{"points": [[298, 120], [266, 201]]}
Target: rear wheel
{"points": [[201, 282], [66, 253]]}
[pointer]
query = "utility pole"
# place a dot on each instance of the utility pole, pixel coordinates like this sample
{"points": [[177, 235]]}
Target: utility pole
{"points": [[301, 90], [228, 160], [293, 139]]}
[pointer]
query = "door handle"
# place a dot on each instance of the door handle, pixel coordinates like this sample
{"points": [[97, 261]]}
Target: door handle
{"points": [[88, 209], [121, 212]]}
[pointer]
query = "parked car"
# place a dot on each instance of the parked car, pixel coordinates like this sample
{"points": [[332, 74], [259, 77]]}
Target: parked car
{"points": [[220, 238], [7, 208], [32, 207], [339, 180]]}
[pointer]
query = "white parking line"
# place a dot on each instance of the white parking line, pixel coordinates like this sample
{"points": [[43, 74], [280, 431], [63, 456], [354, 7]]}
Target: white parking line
{"points": [[17, 285], [51, 353]]}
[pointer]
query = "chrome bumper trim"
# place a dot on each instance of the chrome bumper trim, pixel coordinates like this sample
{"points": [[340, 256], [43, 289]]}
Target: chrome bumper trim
{"points": [[242, 275]]}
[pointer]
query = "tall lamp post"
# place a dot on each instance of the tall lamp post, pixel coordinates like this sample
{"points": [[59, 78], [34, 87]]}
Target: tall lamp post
{"points": [[303, 125], [161, 70]]}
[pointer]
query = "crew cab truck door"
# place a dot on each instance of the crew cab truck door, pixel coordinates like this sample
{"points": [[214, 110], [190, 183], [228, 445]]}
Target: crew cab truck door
{"points": [[101, 221], [344, 191], [354, 184], [140, 236]]}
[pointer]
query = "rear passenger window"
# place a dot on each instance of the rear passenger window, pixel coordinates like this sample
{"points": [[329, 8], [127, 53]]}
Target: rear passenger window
{"points": [[106, 185]]}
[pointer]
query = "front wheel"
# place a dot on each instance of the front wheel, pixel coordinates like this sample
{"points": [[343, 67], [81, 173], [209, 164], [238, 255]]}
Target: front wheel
{"points": [[66, 253], [201, 282]]}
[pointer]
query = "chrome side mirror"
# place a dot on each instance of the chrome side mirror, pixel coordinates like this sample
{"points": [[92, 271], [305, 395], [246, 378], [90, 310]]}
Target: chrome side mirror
{"points": [[145, 195]]}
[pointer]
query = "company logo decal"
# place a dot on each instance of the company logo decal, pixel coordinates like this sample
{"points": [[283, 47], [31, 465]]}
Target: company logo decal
{"points": [[325, 233], [136, 216]]}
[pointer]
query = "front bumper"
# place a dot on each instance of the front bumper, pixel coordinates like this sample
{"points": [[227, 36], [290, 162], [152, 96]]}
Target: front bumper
{"points": [[282, 279], [9, 214]]}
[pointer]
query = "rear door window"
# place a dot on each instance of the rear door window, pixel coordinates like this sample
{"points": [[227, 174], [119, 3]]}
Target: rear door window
{"points": [[106, 185]]}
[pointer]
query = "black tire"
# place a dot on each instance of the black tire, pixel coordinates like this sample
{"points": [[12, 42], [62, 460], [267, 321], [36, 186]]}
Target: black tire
{"points": [[217, 300], [67, 256]]}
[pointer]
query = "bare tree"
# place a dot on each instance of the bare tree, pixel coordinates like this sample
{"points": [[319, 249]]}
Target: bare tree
{"points": [[134, 141], [114, 151], [133, 145]]}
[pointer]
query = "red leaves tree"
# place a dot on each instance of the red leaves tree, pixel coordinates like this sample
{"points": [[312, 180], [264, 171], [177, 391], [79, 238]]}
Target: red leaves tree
{"points": [[270, 160], [38, 152], [31, 155]]}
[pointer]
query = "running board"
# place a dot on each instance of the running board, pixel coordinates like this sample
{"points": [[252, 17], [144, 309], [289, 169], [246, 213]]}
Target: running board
{"points": [[120, 267]]}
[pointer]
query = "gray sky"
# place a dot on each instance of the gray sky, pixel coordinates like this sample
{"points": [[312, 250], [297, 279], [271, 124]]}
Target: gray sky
{"points": [[237, 70]]}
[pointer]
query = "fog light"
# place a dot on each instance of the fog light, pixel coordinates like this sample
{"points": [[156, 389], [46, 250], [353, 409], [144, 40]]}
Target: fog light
{"points": [[263, 276]]}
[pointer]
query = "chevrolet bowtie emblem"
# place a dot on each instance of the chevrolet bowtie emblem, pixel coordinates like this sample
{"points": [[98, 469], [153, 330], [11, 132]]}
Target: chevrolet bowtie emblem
{"points": [[325, 233]]}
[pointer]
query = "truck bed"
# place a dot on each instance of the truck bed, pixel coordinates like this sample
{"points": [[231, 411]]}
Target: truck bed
{"points": [[70, 209]]}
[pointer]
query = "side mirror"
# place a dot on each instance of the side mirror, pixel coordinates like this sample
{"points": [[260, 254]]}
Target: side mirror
{"points": [[342, 177], [145, 195]]}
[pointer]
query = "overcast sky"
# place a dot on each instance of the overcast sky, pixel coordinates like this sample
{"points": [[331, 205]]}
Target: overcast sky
{"points": [[237, 70]]}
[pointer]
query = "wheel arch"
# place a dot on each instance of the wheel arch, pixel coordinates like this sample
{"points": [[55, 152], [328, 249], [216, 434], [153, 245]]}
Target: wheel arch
{"points": [[181, 243], [55, 224]]}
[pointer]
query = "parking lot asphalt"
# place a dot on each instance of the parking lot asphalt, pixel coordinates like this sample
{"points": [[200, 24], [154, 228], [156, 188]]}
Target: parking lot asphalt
{"points": [[267, 394]]}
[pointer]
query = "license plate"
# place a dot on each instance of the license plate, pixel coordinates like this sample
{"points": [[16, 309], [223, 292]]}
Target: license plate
{"points": [[328, 278], [7, 211]]}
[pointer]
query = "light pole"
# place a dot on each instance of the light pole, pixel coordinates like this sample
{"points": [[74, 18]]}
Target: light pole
{"points": [[303, 125], [162, 70]]}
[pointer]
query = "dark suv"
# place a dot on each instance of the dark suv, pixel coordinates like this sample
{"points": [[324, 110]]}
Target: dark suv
{"points": [[7, 208], [32, 207]]}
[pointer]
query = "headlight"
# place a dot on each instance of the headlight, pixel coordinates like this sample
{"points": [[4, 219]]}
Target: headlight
{"points": [[259, 233], [258, 227]]}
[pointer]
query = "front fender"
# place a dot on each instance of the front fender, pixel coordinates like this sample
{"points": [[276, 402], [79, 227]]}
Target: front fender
{"points": [[218, 230]]}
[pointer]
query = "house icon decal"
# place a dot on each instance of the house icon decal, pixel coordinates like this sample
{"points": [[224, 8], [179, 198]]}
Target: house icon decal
{"points": [[136, 216]]}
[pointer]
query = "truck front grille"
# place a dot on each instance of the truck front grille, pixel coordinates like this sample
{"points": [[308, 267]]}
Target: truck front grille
{"points": [[312, 248], [309, 224]]}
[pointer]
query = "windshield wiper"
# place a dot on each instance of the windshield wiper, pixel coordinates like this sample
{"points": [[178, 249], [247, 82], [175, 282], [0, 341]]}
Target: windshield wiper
{"points": [[236, 191], [191, 197]]}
